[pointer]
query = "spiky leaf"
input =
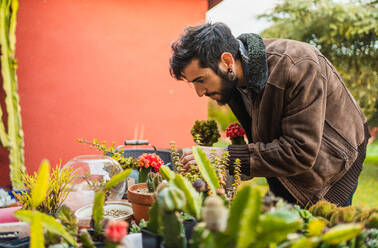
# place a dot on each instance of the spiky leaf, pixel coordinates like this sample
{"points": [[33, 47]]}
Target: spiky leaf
{"points": [[193, 198], [166, 173], [47, 222], [98, 211], [207, 171], [41, 186], [118, 178], [244, 215]]}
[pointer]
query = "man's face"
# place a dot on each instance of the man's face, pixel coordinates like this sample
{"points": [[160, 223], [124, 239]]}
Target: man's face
{"points": [[206, 82]]}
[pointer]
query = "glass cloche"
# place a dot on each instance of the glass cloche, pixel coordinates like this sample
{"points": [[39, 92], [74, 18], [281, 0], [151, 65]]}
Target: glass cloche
{"points": [[92, 172]]}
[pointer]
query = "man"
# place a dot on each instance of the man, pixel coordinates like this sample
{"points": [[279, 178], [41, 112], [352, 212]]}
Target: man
{"points": [[306, 134]]}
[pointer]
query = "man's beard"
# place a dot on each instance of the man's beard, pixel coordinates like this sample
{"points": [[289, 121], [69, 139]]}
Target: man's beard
{"points": [[228, 87]]}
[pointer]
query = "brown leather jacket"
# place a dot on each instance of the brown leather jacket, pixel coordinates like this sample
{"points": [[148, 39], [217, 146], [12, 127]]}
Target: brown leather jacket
{"points": [[306, 129]]}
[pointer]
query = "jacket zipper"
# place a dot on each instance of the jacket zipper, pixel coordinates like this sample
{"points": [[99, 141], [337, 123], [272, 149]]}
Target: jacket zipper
{"points": [[337, 148]]}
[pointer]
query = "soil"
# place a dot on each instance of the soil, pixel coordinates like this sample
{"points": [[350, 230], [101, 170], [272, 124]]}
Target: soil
{"points": [[142, 191]]}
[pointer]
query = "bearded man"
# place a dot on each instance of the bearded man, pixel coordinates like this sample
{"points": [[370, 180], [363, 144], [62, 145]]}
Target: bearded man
{"points": [[306, 134]]}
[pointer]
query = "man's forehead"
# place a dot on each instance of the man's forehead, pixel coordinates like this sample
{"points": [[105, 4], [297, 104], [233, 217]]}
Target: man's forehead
{"points": [[192, 70]]}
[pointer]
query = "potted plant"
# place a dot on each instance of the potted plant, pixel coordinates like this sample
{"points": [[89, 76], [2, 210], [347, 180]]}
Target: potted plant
{"points": [[205, 133], [236, 134], [140, 195], [57, 190]]}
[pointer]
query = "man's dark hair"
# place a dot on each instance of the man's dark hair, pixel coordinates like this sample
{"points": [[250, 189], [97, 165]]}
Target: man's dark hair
{"points": [[205, 42]]}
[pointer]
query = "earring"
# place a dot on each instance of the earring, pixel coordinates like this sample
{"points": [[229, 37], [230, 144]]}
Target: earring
{"points": [[229, 70]]}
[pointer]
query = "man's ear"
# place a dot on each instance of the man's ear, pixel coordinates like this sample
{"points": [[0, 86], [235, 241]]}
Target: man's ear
{"points": [[227, 61]]}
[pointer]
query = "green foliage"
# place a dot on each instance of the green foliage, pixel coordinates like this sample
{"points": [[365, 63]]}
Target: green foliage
{"points": [[45, 221], [173, 230], [116, 179], [13, 138], [128, 162], [166, 173], [346, 33], [155, 222], [193, 198], [341, 233], [86, 239], [206, 131], [208, 173], [98, 212], [41, 184], [56, 186], [222, 114], [244, 214]]}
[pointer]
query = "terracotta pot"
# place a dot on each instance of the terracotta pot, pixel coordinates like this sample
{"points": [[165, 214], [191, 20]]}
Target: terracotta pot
{"points": [[140, 202]]}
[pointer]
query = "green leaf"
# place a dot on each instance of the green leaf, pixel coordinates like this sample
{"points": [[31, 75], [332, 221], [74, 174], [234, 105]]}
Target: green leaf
{"points": [[118, 178], [193, 198], [244, 215], [166, 173], [36, 232], [341, 233], [207, 171], [275, 226], [315, 227], [47, 222], [98, 210], [41, 186]]}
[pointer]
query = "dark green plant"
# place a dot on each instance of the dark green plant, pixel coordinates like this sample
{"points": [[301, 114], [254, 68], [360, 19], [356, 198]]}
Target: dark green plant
{"points": [[13, 137], [205, 133]]}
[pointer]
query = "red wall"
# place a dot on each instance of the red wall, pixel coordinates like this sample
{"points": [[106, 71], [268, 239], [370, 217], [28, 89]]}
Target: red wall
{"points": [[99, 69]]}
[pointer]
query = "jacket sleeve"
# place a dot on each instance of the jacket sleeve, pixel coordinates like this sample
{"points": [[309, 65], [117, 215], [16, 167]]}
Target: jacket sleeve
{"points": [[302, 126]]}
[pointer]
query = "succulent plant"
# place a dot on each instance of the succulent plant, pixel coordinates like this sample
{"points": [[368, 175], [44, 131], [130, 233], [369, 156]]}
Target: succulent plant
{"points": [[323, 209], [236, 134], [153, 181], [215, 214], [342, 215], [205, 133]]}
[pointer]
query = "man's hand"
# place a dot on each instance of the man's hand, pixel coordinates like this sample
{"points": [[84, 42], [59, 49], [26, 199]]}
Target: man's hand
{"points": [[188, 160]]}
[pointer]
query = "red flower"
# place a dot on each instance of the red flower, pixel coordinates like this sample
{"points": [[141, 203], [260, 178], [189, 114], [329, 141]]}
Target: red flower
{"points": [[234, 130], [116, 230], [150, 160]]}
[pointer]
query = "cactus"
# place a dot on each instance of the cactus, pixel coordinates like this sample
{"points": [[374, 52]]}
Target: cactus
{"points": [[13, 138], [67, 218], [343, 215], [86, 239], [153, 180], [215, 214], [205, 133], [175, 157], [170, 201], [323, 209], [237, 173]]}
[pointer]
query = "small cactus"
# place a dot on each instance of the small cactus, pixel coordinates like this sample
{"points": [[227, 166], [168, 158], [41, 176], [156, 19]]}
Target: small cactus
{"points": [[343, 215], [323, 209], [237, 174], [200, 185], [153, 180], [215, 214], [86, 239]]}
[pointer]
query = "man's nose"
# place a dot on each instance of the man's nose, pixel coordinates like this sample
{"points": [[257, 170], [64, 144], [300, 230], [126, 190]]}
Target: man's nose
{"points": [[200, 90]]}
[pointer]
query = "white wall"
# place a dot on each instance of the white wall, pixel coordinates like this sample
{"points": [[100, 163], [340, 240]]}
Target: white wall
{"points": [[241, 15]]}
